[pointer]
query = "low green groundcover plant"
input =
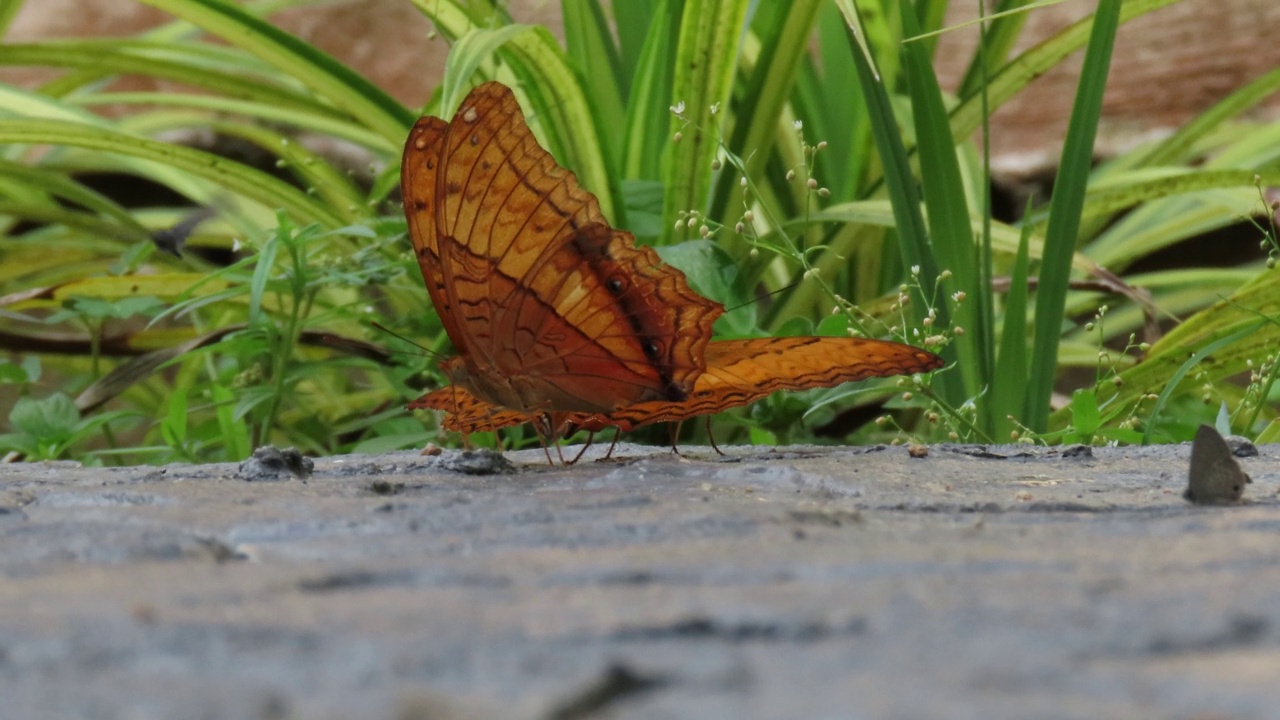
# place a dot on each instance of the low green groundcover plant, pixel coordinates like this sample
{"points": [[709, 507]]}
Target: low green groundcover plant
{"points": [[797, 160]]}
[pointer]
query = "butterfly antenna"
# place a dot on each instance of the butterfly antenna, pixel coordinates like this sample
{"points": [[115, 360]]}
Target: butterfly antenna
{"points": [[759, 298], [173, 238], [426, 351]]}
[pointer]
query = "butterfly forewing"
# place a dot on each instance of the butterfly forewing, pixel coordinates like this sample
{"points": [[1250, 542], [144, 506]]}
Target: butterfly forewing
{"points": [[1215, 477], [417, 178], [548, 307], [740, 372]]}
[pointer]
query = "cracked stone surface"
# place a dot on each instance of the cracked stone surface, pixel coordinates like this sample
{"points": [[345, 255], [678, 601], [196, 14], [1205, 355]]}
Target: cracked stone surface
{"points": [[1001, 582]]}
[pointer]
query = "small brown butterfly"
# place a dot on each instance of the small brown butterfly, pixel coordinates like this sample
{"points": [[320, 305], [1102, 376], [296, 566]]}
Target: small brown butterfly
{"points": [[1215, 477]]}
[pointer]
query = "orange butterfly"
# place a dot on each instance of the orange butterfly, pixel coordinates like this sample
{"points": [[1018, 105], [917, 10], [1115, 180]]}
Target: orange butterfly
{"points": [[548, 307], [561, 320]]}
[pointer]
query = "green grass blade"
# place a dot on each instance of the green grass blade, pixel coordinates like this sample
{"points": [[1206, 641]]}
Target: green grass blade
{"points": [[235, 434], [566, 112], [59, 185], [1010, 377], [1176, 378], [1001, 34], [327, 183], [296, 59], [648, 128], [1064, 213], [590, 46], [104, 60], [238, 178], [1258, 298], [8, 10], [837, 118], [552, 97], [269, 113], [948, 211], [1176, 147], [634, 21], [471, 53], [1016, 75], [783, 31], [711, 32], [913, 234]]}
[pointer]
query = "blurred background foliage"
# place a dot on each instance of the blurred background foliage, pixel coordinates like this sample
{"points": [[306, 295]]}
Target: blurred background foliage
{"points": [[160, 302]]}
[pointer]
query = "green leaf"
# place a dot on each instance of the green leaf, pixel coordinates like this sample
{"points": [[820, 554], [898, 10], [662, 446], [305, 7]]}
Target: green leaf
{"points": [[20, 443], [1085, 417], [174, 427], [1064, 213], [13, 373], [643, 202], [264, 268], [713, 274], [49, 420]]}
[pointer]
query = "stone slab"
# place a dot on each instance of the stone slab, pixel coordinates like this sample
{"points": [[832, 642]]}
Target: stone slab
{"points": [[1004, 582]]}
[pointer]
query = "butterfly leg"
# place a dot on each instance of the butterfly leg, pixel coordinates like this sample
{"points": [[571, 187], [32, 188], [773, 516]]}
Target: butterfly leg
{"points": [[590, 436], [712, 438], [617, 433], [675, 436], [542, 441], [542, 426]]}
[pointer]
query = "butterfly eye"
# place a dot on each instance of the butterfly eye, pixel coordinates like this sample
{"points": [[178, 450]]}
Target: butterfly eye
{"points": [[652, 350], [615, 285]]}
